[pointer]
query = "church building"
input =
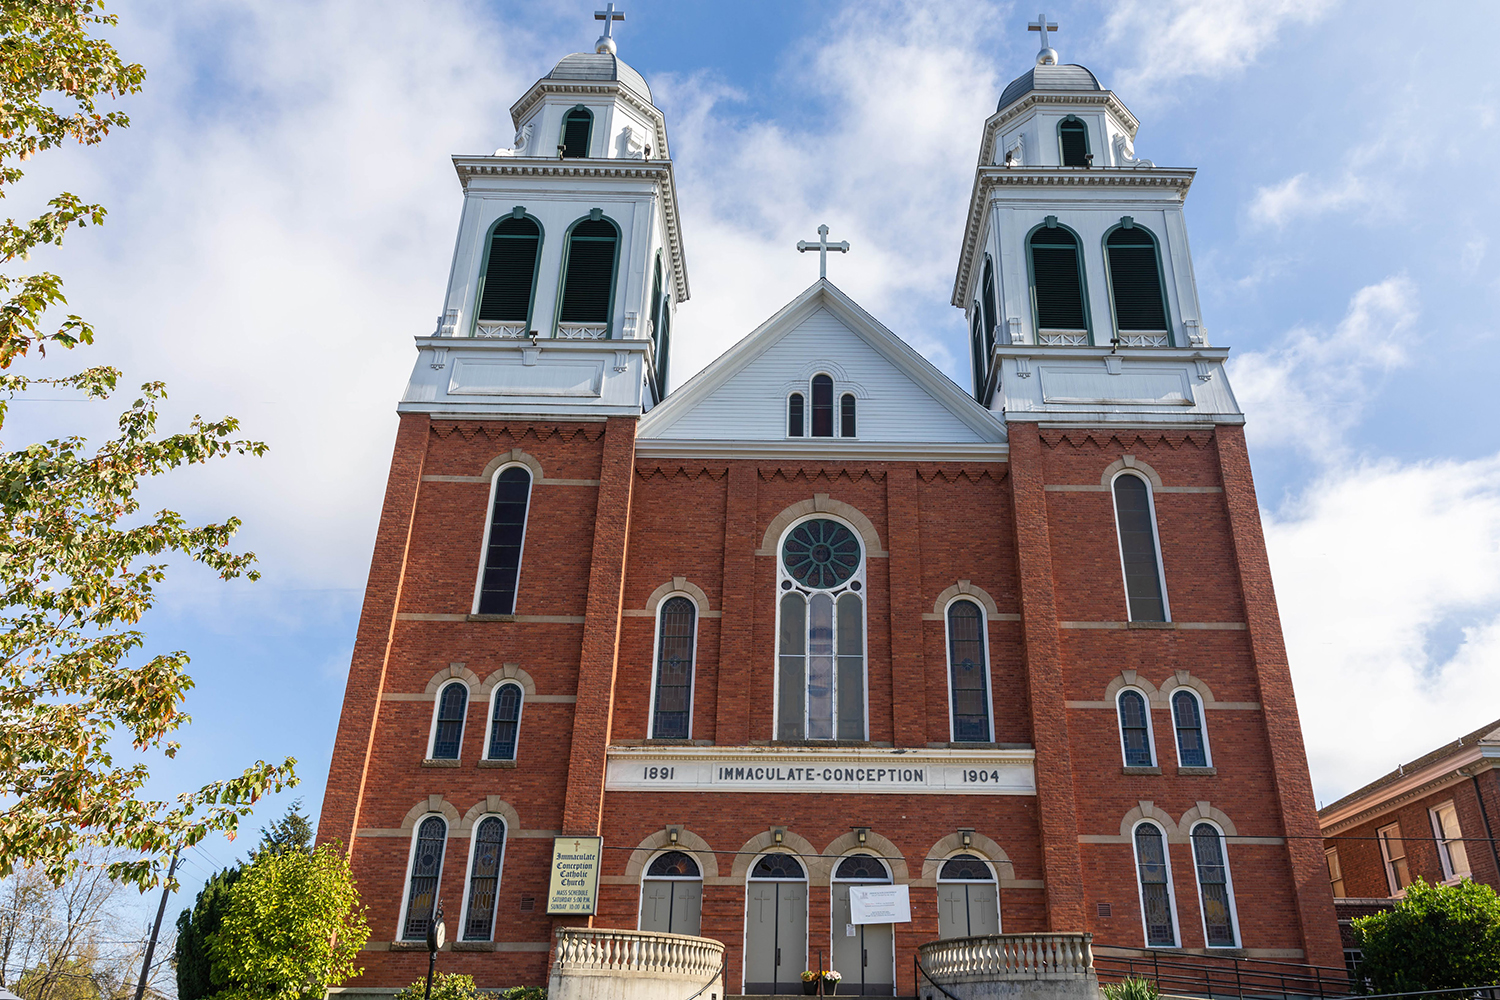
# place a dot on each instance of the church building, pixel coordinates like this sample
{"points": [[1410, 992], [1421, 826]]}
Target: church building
{"points": [[817, 618]]}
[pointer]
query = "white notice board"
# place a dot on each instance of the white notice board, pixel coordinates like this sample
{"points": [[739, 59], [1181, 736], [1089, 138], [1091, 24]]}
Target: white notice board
{"points": [[879, 904]]}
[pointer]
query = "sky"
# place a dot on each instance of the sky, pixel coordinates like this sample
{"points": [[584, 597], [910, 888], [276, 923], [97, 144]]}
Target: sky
{"points": [[282, 215]]}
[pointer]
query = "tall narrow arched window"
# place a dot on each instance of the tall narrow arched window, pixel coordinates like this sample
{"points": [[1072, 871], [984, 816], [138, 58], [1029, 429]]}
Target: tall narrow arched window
{"points": [[795, 405], [987, 306], [1135, 286], [672, 713], [509, 281], [1187, 719], [654, 323], [510, 498], [822, 406], [1057, 286], [505, 722], [484, 879], [847, 426], [1135, 517], [1155, 877], [448, 726], [976, 349], [1214, 889], [578, 123], [426, 869], [664, 349], [1073, 138], [588, 285], [1135, 729], [821, 633], [968, 673]]}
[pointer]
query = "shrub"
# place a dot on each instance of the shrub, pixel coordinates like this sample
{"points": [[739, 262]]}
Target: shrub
{"points": [[1130, 989], [1438, 937], [445, 986]]}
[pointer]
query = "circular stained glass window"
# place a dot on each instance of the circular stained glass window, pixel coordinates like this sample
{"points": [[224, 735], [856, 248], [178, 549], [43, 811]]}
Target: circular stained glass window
{"points": [[820, 554]]}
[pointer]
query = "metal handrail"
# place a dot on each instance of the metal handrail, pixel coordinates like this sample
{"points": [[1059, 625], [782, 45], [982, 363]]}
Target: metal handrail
{"points": [[1196, 974], [717, 976], [916, 984]]}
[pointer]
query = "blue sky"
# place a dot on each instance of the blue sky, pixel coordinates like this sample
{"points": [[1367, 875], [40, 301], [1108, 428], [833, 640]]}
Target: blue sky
{"points": [[283, 210]]}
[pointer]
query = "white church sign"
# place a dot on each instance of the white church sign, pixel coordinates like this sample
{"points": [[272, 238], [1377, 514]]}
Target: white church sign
{"points": [[879, 904]]}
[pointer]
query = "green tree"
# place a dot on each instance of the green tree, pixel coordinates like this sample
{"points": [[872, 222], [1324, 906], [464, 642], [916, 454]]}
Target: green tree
{"points": [[196, 927], [292, 832], [73, 581], [1438, 937], [293, 927]]}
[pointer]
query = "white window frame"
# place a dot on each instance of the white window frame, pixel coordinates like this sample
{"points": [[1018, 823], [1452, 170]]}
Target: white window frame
{"points": [[863, 592], [806, 880], [411, 856], [463, 912], [1444, 857], [1140, 890], [1332, 855], [656, 663], [989, 686], [786, 414], [1161, 566], [1397, 891], [1208, 750], [489, 719], [437, 706], [1234, 913], [1150, 728], [839, 392], [489, 520]]}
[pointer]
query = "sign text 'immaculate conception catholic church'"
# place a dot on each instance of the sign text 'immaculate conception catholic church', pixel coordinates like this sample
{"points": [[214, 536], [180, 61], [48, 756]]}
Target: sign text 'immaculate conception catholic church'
{"points": [[574, 884]]}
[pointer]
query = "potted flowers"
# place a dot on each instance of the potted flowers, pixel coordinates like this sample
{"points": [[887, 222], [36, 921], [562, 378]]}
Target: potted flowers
{"points": [[810, 982], [831, 982]]}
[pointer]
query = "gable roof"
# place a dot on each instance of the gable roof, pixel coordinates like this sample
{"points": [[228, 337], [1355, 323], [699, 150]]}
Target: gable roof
{"points": [[903, 400]]}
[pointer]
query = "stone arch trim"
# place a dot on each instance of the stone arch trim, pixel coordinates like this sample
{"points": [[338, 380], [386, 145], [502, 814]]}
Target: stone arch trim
{"points": [[849, 843], [1135, 465], [508, 672], [515, 455], [1184, 679], [978, 844], [1205, 811], [821, 504], [678, 585], [687, 841], [433, 804], [965, 589], [1150, 810], [491, 805], [451, 671], [791, 843], [1129, 678]]}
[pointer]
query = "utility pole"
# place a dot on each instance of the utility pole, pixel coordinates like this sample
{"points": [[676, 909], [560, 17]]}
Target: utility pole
{"points": [[166, 890]]}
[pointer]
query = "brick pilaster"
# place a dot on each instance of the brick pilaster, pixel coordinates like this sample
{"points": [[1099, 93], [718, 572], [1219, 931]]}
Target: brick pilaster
{"points": [[1320, 933], [345, 793], [737, 626], [908, 677], [1061, 861]]}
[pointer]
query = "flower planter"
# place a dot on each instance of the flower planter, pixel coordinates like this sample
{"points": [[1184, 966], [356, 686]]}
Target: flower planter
{"points": [[810, 988], [830, 987]]}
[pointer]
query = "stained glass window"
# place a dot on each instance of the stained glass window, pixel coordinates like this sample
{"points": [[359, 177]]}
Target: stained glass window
{"points": [[1191, 750], [780, 866], [1213, 885], [1156, 897], [502, 559], [453, 704], [674, 670], [971, 703], [966, 868], [673, 864], [506, 722], [484, 879], [1143, 590], [1135, 733], [426, 867], [820, 554]]}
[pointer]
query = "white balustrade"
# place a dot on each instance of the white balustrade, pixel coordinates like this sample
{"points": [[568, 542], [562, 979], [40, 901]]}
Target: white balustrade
{"points": [[583, 331], [1063, 338], [643, 953], [1144, 339], [496, 328], [1001, 957]]}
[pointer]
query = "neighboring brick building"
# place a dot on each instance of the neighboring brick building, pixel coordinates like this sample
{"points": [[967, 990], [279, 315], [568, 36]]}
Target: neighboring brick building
{"points": [[819, 617], [1432, 819]]}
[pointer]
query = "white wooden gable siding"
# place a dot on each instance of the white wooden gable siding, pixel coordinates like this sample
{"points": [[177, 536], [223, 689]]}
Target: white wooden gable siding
{"points": [[751, 404]]}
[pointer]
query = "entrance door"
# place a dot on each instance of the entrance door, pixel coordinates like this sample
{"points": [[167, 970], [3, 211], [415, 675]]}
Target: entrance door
{"points": [[867, 957], [775, 925], [672, 895], [968, 904]]}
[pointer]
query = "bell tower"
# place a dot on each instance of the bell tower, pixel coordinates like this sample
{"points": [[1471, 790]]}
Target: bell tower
{"points": [[569, 263]]}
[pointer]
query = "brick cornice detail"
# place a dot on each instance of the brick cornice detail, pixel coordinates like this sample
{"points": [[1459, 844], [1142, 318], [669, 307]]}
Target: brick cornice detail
{"points": [[1126, 438], [492, 430]]}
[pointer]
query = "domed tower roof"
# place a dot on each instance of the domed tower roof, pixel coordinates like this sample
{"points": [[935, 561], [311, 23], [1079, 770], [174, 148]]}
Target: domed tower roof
{"points": [[600, 66], [1049, 78]]}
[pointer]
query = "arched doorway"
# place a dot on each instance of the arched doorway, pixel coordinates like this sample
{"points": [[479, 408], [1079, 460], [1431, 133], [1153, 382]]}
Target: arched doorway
{"points": [[672, 895], [968, 900], [864, 953], [775, 925]]}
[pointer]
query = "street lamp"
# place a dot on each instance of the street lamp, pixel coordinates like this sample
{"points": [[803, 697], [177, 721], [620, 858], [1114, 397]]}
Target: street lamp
{"points": [[437, 936]]}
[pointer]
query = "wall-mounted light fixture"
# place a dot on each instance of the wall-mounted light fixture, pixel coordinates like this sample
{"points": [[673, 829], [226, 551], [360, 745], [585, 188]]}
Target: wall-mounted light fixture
{"points": [[673, 832], [778, 834], [966, 834], [862, 833]]}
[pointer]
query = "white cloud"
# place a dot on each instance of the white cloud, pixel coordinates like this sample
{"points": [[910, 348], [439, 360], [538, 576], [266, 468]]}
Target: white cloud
{"points": [[1297, 197]]}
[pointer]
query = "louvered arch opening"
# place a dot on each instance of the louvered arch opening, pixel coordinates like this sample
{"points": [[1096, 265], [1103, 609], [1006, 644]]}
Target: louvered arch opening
{"points": [[1057, 280], [1074, 137], [1135, 280], [588, 284], [510, 271], [577, 124]]}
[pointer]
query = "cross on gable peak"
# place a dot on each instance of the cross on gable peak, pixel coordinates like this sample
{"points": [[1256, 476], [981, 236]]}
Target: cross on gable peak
{"points": [[823, 246]]}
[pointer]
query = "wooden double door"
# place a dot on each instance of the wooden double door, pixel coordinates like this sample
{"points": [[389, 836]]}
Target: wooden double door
{"points": [[672, 906], [775, 936], [867, 956]]}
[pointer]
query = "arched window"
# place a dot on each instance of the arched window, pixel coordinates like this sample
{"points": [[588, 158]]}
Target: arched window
{"points": [[1214, 888], [664, 348], [426, 869], [1135, 729], [822, 406], [968, 673], [448, 726], [976, 348], [987, 307], [968, 900], [775, 924], [484, 879], [1187, 719], [1057, 286], [1135, 517], [509, 282], [654, 324], [505, 722], [846, 415], [672, 895], [821, 633], [1135, 286], [677, 628], [1155, 875], [510, 497], [777, 866], [1073, 138], [577, 124], [588, 285], [795, 404]]}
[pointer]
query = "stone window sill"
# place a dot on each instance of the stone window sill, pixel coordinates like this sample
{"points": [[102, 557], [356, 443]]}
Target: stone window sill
{"points": [[822, 743], [490, 618], [408, 946], [497, 763], [433, 762], [979, 746], [1198, 771], [1140, 770], [1165, 625], [473, 946]]}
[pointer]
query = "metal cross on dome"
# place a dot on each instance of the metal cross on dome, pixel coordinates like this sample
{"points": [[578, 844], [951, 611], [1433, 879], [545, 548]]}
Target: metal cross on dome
{"points": [[822, 246], [1040, 24], [609, 15]]}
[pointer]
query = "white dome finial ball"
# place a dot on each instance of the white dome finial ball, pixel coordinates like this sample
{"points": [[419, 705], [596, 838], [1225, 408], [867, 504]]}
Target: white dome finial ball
{"points": [[605, 45], [1047, 57]]}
